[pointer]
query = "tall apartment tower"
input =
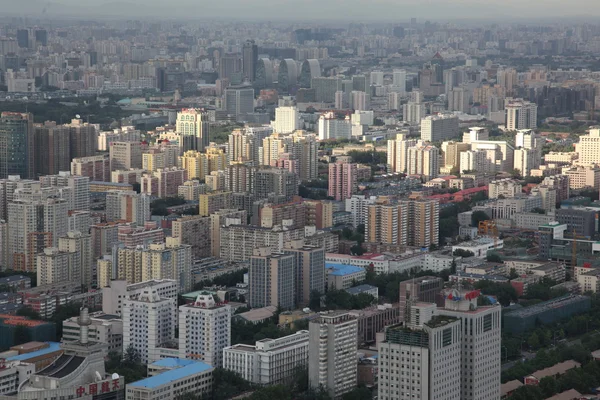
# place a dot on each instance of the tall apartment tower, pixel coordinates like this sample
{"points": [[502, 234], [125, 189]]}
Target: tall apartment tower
{"points": [[80, 245], [239, 101], [332, 347], [430, 349], [8, 187], [520, 114], [423, 222], [37, 217], [589, 147], [193, 127], [54, 266], [435, 128], [397, 152], [125, 155], [127, 206], [17, 145], [272, 278], [149, 322], [52, 148], [343, 180], [79, 195], [310, 270], [249, 60], [423, 160], [83, 139], [287, 120], [426, 289], [204, 330], [481, 344]]}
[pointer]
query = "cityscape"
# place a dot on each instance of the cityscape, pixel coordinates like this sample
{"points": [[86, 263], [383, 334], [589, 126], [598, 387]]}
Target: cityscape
{"points": [[354, 205]]}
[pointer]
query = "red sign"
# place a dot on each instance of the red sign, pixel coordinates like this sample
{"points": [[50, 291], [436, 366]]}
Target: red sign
{"points": [[115, 384], [80, 391], [105, 387], [93, 388]]}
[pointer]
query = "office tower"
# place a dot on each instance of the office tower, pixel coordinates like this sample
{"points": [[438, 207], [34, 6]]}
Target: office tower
{"points": [[249, 60], [423, 160], [459, 99], [80, 246], [37, 217], [588, 147], [377, 78], [23, 38], [310, 69], [397, 152], [326, 88], [343, 180], [436, 128], [78, 196], [83, 138], [480, 364], [560, 183], [499, 154], [423, 222], [310, 270], [360, 83], [204, 330], [125, 155], [330, 127], [17, 145], [473, 160], [127, 206], [332, 350], [149, 323], [239, 101], [288, 75], [193, 127], [272, 279], [399, 81], [275, 181], [524, 161], [264, 74], [97, 168], [41, 37], [269, 361], [52, 148], [54, 266], [430, 342], [520, 114], [230, 66], [424, 289], [287, 120]]}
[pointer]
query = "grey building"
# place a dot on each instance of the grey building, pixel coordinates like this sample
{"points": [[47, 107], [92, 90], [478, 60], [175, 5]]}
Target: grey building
{"points": [[272, 279], [580, 221]]}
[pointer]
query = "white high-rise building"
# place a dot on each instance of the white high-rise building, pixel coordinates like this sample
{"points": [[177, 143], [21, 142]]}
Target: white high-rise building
{"points": [[473, 160], [193, 127], [399, 81], [79, 195], [287, 120], [127, 206], [204, 330], [114, 295], [423, 160], [269, 361], [332, 352], [377, 78], [481, 344], [588, 147], [54, 266], [413, 112], [397, 152], [435, 128], [37, 217], [332, 128], [149, 323], [525, 160], [359, 100], [394, 101], [80, 245], [520, 114], [357, 205], [421, 359]]}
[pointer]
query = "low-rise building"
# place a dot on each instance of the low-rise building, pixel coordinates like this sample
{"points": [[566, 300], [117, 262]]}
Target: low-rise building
{"points": [[105, 328], [340, 276], [480, 247]]}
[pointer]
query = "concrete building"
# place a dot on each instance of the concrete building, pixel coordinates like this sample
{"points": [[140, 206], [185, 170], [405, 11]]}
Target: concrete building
{"points": [[507, 188], [52, 148], [17, 148], [79, 193], [105, 328], [80, 246], [332, 352], [423, 160], [579, 221], [272, 279], [509, 207], [342, 276], [426, 289], [239, 101], [583, 176], [269, 361], [520, 114], [117, 291], [125, 155], [473, 160], [397, 152], [343, 181], [193, 127], [330, 127], [127, 206], [56, 266], [149, 322], [310, 270], [209, 203], [499, 154], [287, 120], [195, 231], [97, 168], [204, 330], [436, 128]]}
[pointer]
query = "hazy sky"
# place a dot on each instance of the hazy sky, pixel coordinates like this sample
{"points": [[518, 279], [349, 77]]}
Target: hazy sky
{"points": [[356, 10]]}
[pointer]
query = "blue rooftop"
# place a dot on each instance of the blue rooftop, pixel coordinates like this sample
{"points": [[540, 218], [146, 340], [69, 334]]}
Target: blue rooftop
{"points": [[172, 375], [173, 362], [343, 269], [52, 347]]}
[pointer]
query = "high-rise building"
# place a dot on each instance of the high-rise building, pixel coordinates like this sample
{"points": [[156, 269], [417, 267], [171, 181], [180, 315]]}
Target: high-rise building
{"points": [[423, 222], [287, 120], [330, 127], [194, 230], [425, 289], [97, 168], [230, 66], [430, 344], [83, 138], [473, 160], [343, 180], [359, 100], [459, 99], [23, 38], [452, 152], [223, 218], [481, 328], [310, 69], [204, 330], [272, 147], [193, 127], [80, 246], [588, 147], [52, 147], [288, 75], [413, 112], [104, 237], [212, 202], [17, 145], [149, 322], [127, 206], [275, 181], [125, 155], [332, 350], [525, 160], [239, 101], [249, 60], [37, 217], [325, 88], [272, 279], [436, 128], [581, 176], [399, 81], [55, 266], [8, 187], [520, 114], [397, 152], [164, 182], [560, 183], [79, 193], [310, 270], [423, 160]]}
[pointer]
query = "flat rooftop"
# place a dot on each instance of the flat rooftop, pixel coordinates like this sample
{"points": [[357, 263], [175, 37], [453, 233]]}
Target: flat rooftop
{"points": [[172, 375], [343, 269]]}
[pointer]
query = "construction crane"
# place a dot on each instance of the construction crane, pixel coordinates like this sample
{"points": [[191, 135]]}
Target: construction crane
{"points": [[489, 228]]}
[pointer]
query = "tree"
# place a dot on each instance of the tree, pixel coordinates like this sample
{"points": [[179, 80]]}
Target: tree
{"points": [[463, 253], [538, 210], [513, 274], [358, 393], [493, 257], [533, 341], [315, 300], [357, 250], [477, 217], [132, 355], [29, 313]]}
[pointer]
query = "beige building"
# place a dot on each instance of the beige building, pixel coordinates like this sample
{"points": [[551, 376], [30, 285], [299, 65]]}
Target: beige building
{"points": [[505, 188], [80, 245], [191, 190], [125, 155], [582, 176], [452, 152], [212, 202], [55, 266], [588, 147], [423, 160], [561, 158], [194, 231], [397, 152]]}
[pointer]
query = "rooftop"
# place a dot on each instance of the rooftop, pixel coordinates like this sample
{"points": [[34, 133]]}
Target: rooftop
{"points": [[52, 347], [342, 269], [550, 304], [508, 387], [258, 314], [556, 369], [360, 289], [171, 376], [172, 363], [440, 320]]}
